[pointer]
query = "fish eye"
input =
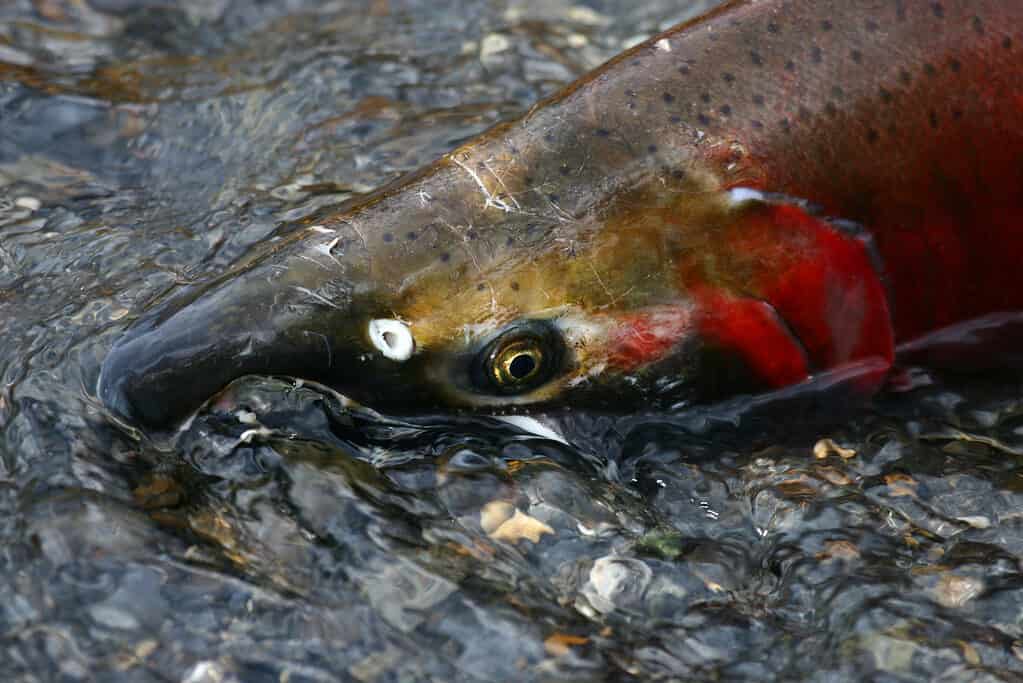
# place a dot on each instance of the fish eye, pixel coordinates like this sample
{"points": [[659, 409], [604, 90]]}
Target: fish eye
{"points": [[519, 359]]}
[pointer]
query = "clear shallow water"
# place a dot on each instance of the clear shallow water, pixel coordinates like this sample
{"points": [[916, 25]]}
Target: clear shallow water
{"points": [[285, 537]]}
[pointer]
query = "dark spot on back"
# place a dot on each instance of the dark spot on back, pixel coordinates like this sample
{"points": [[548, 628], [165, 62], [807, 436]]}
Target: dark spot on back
{"points": [[978, 25], [684, 69], [957, 114], [826, 25], [388, 237], [955, 65], [831, 109], [837, 91], [804, 114], [480, 287], [756, 124], [564, 169], [886, 95], [900, 10], [509, 241], [772, 27], [816, 55], [515, 286], [553, 197], [938, 10], [411, 236], [729, 78], [929, 69], [857, 56], [675, 118], [678, 174], [445, 257], [790, 65], [668, 97], [871, 25], [705, 97], [1007, 43], [702, 118], [602, 132], [651, 148], [725, 110], [548, 136], [630, 93], [904, 77], [756, 58], [786, 127], [758, 100], [472, 234], [872, 136], [933, 116]]}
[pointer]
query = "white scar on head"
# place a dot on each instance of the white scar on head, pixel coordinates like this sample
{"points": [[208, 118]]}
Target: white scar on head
{"points": [[392, 338]]}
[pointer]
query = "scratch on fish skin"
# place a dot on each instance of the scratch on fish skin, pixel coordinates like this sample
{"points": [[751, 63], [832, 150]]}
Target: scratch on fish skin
{"points": [[325, 249], [318, 263], [424, 197], [563, 216], [353, 226], [507, 192], [328, 250], [602, 284], [491, 200], [318, 297]]}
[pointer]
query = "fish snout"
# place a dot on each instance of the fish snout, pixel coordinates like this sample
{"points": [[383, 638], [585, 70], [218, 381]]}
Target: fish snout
{"points": [[281, 316]]}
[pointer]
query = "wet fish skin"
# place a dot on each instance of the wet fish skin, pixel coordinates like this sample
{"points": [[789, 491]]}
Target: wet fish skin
{"points": [[670, 215]]}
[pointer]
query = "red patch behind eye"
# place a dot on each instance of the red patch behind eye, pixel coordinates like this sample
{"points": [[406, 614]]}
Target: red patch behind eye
{"points": [[753, 330], [648, 336]]}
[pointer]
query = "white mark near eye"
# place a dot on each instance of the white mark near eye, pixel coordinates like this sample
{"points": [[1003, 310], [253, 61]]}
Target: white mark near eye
{"points": [[392, 338], [534, 426], [738, 195]]}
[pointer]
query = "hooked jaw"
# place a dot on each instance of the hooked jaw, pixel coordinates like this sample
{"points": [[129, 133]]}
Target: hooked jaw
{"points": [[281, 315]]}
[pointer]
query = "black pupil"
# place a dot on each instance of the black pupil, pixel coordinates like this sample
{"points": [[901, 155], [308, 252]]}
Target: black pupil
{"points": [[521, 366]]}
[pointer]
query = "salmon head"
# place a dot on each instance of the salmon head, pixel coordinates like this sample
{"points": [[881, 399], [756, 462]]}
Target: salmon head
{"points": [[606, 251], [474, 287]]}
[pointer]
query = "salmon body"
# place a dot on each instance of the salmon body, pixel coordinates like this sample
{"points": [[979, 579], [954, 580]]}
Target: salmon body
{"points": [[779, 189]]}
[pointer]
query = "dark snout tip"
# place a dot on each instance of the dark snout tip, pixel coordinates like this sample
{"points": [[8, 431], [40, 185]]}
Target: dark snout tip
{"points": [[129, 384], [111, 385]]}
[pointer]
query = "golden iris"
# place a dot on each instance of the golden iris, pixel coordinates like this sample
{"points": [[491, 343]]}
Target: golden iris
{"points": [[517, 363], [518, 359]]}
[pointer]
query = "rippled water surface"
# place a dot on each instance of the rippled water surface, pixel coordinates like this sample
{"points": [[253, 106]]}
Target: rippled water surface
{"points": [[285, 537]]}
